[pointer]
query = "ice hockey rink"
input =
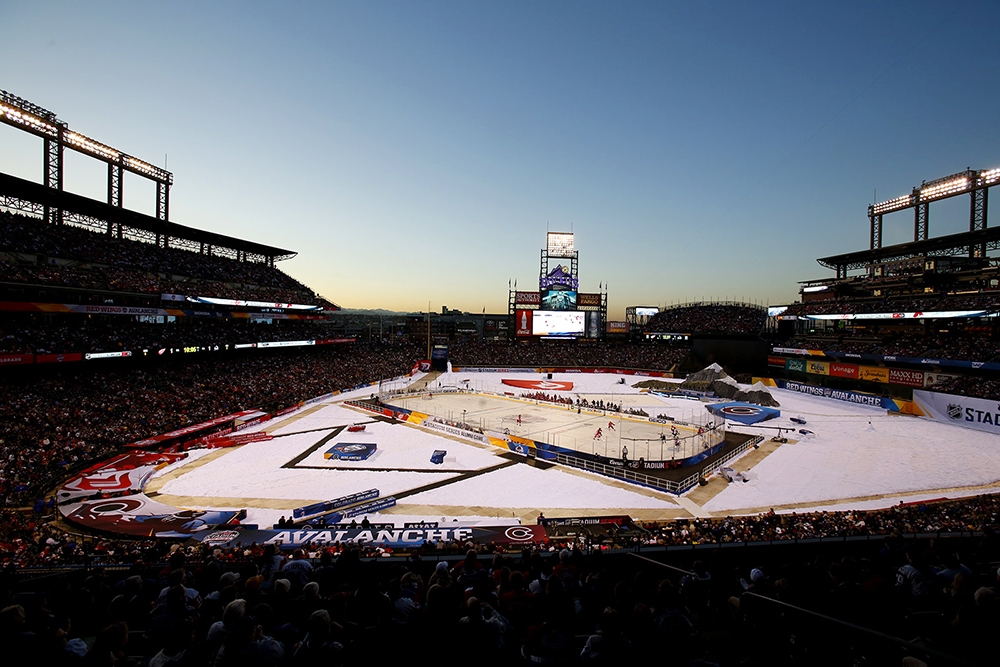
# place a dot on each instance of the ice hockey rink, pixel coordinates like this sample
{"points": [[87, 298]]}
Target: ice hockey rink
{"points": [[855, 457]]}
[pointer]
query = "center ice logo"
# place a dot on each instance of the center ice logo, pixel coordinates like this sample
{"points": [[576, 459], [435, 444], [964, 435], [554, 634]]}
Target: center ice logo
{"points": [[542, 385], [351, 451]]}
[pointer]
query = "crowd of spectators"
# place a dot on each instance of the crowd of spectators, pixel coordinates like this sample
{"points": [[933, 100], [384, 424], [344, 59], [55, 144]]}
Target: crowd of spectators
{"points": [[566, 603], [55, 423], [80, 333], [593, 355], [582, 403], [709, 318], [954, 345], [975, 386], [988, 301], [39, 253]]}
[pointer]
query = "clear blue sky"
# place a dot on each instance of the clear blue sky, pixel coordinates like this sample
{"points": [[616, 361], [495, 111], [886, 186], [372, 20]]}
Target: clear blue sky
{"points": [[416, 152]]}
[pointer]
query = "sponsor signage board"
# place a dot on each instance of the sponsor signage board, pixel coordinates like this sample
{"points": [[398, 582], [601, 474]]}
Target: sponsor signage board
{"points": [[840, 395], [907, 378], [523, 319], [873, 374], [397, 537], [931, 379], [528, 299], [843, 370], [616, 327], [978, 413], [14, 359], [776, 361], [798, 365], [818, 367]]}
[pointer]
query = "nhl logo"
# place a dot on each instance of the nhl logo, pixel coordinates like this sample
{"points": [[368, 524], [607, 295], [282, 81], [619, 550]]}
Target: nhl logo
{"points": [[954, 411]]}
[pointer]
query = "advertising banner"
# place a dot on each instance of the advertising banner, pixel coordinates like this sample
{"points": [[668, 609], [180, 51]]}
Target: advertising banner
{"points": [[844, 370], [194, 428], [336, 503], [977, 413], [906, 378], [396, 537], [840, 395], [873, 374], [796, 365], [457, 431], [793, 350], [58, 358], [12, 359], [588, 299], [818, 367], [776, 361], [617, 327], [931, 379], [242, 438], [523, 320], [528, 299]]}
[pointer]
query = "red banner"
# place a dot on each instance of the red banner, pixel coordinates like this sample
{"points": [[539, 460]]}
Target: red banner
{"points": [[843, 370], [241, 438], [545, 385], [776, 361], [11, 359], [531, 298], [194, 428], [523, 321], [906, 378], [57, 358]]}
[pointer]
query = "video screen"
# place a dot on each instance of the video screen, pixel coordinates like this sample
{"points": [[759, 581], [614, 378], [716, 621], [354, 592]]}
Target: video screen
{"points": [[558, 323], [559, 300]]}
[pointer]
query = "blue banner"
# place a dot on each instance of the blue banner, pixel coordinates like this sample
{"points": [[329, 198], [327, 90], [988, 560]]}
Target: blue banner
{"points": [[336, 503], [840, 394]]}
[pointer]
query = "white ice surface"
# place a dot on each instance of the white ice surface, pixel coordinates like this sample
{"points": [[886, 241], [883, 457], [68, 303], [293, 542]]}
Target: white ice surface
{"points": [[845, 458]]}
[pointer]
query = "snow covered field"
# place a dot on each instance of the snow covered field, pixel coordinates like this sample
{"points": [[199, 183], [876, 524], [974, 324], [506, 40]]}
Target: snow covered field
{"points": [[856, 452]]}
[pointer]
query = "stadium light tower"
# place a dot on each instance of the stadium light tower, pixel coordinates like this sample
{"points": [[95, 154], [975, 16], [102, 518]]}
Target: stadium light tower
{"points": [[974, 182]]}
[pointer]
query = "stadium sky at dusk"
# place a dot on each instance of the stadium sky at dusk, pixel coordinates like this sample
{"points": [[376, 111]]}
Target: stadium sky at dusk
{"points": [[418, 152]]}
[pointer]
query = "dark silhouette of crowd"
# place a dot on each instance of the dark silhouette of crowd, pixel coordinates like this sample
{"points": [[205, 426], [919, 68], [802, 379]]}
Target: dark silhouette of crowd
{"points": [[954, 345], [570, 355], [71, 256], [55, 424], [709, 318], [909, 303], [80, 333]]}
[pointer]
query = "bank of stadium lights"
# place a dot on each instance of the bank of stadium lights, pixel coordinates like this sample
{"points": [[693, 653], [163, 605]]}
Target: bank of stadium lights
{"points": [[27, 120], [893, 204], [940, 189], [144, 167], [559, 244], [88, 145], [945, 189]]}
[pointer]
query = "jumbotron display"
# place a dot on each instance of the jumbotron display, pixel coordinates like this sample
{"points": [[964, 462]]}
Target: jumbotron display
{"points": [[558, 309]]}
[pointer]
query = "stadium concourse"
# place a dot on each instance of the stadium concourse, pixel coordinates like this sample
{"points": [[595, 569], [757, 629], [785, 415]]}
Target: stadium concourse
{"points": [[854, 457]]}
